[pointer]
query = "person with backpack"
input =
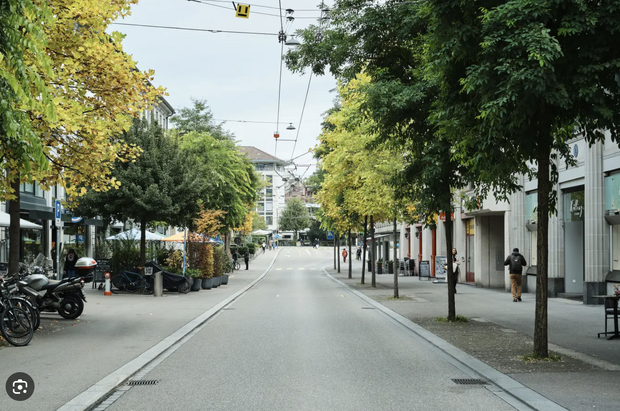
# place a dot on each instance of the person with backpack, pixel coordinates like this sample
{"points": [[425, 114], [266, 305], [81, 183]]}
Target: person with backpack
{"points": [[344, 254], [516, 262]]}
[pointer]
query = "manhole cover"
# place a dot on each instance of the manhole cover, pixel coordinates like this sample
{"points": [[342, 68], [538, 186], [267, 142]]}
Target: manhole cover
{"points": [[469, 381], [143, 382]]}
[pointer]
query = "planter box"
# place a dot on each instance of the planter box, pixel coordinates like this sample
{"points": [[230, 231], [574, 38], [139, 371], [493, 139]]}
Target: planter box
{"points": [[196, 283], [225, 279], [207, 283], [390, 268]]}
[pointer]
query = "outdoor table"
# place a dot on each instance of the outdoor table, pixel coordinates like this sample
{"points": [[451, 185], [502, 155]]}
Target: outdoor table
{"points": [[615, 298]]}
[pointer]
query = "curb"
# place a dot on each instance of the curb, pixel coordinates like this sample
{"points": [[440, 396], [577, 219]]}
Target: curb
{"points": [[526, 398], [97, 393]]}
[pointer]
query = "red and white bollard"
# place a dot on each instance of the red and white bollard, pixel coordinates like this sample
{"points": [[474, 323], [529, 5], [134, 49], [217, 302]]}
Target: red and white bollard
{"points": [[107, 284]]}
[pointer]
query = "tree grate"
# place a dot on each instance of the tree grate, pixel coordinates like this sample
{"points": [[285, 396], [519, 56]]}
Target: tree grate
{"points": [[142, 382], [469, 381]]}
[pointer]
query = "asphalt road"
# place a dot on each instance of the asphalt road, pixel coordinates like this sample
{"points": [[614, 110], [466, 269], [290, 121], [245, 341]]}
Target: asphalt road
{"points": [[300, 341]]}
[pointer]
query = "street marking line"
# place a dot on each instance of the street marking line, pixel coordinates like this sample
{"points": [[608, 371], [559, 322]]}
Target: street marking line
{"points": [[302, 268], [313, 269], [94, 395], [278, 269], [289, 268]]}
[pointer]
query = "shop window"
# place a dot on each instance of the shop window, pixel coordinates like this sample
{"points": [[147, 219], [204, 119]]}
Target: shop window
{"points": [[615, 252], [533, 247], [32, 243]]}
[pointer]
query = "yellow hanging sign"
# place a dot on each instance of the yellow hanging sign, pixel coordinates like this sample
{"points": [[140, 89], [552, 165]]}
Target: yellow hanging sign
{"points": [[243, 11]]}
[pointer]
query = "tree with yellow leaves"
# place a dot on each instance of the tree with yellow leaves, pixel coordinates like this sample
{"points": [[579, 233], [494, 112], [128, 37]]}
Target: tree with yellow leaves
{"points": [[358, 169], [95, 89]]}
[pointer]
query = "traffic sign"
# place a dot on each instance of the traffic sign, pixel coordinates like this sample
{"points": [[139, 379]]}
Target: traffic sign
{"points": [[330, 235], [57, 211], [243, 11]]}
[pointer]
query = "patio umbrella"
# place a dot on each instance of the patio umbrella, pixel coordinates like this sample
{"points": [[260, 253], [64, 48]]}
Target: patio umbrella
{"points": [[134, 234], [178, 238]]}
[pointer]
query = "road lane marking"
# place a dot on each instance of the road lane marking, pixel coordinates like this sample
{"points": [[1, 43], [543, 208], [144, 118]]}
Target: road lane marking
{"points": [[302, 268], [278, 269]]}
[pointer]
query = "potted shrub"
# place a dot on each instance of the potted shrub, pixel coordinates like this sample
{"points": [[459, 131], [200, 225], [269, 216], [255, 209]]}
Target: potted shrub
{"points": [[390, 267], [194, 275], [252, 248], [380, 266], [219, 261], [206, 266]]}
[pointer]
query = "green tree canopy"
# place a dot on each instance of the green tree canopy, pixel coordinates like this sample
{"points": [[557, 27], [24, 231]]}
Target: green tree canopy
{"points": [[162, 184], [294, 217], [199, 119]]}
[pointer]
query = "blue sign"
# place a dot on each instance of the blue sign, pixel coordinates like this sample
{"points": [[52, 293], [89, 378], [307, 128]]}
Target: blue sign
{"points": [[57, 210], [330, 235], [80, 238], [277, 236]]}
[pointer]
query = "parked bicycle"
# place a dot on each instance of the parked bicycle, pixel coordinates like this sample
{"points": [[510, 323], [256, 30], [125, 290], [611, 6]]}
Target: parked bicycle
{"points": [[16, 325], [130, 282]]}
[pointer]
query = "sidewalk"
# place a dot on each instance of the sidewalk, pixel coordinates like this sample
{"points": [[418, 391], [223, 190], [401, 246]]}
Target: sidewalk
{"points": [[66, 357], [499, 331]]}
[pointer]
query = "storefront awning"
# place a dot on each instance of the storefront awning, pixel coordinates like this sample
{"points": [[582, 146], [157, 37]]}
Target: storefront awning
{"points": [[5, 221]]}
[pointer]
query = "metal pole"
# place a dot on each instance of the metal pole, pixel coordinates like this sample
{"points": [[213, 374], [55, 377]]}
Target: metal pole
{"points": [[158, 286], [184, 248], [58, 238]]}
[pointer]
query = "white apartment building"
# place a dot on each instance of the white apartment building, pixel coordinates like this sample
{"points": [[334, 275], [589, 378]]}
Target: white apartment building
{"points": [[272, 199]]}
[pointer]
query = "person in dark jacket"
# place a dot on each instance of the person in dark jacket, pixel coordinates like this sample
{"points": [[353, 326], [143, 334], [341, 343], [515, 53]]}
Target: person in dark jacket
{"points": [[516, 262], [246, 258], [70, 261]]}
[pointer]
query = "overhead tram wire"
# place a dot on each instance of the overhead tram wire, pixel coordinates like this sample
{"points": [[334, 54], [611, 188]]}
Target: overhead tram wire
{"points": [[281, 38], [302, 114], [209, 3], [153, 26], [253, 5]]}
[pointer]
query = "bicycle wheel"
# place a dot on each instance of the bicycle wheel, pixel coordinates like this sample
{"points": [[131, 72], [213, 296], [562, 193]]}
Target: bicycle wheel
{"points": [[184, 288], [237, 265], [30, 308], [16, 327], [119, 284]]}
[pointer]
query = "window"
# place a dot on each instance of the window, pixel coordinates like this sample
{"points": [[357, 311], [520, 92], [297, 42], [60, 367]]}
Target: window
{"points": [[615, 252], [269, 192], [269, 180], [260, 207], [269, 220], [533, 248], [28, 188], [269, 206]]}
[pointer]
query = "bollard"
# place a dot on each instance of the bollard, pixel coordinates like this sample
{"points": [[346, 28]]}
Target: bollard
{"points": [[107, 285], [158, 290]]}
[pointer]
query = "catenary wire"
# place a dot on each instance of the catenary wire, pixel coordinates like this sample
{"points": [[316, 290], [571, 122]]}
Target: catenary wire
{"points": [[301, 117], [208, 3], [254, 5], [194, 29]]}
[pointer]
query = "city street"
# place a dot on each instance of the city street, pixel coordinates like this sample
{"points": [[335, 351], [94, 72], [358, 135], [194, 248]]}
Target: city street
{"points": [[298, 340]]}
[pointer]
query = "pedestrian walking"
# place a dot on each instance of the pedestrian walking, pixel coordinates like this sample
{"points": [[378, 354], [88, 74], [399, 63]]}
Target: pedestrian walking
{"points": [[344, 254], [270, 246], [455, 267], [516, 262], [264, 247], [358, 253], [316, 243], [246, 258], [70, 261]]}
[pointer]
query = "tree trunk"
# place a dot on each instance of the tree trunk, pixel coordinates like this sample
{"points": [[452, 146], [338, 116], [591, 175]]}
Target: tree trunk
{"points": [[396, 295], [350, 257], [449, 264], [338, 253], [335, 252], [142, 245], [14, 229], [373, 259], [544, 187], [364, 250]]}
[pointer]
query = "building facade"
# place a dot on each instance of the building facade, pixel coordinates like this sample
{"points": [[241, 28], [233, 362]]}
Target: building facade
{"points": [[272, 198], [584, 233]]}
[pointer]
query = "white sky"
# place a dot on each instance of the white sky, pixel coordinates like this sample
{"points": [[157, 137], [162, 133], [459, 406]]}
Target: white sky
{"points": [[236, 73]]}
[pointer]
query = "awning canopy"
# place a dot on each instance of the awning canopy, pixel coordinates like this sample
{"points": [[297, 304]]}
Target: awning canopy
{"points": [[262, 232], [5, 221], [179, 238], [135, 234]]}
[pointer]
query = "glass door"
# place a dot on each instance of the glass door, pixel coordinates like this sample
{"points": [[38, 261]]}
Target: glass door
{"points": [[469, 251]]}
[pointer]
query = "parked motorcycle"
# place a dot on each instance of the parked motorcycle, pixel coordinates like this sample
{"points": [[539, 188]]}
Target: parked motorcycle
{"points": [[64, 296]]}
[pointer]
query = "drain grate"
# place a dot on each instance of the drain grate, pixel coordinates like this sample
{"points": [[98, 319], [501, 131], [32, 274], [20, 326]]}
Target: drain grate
{"points": [[143, 382], [469, 381]]}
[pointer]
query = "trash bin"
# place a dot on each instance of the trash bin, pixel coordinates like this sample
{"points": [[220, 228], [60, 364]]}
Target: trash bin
{"points": [[412, 266], [369, 266]]}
